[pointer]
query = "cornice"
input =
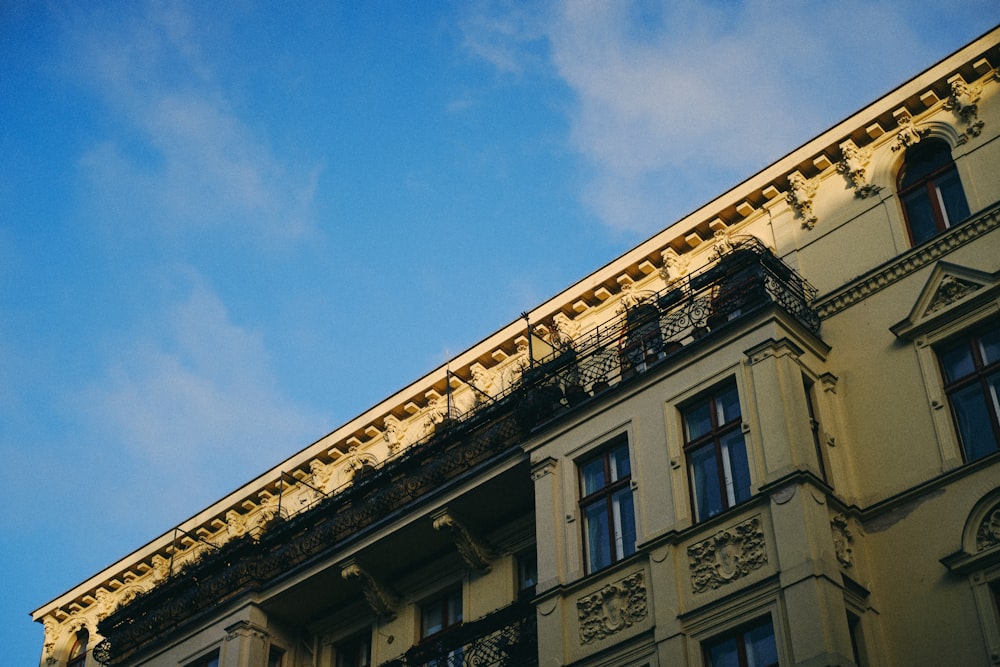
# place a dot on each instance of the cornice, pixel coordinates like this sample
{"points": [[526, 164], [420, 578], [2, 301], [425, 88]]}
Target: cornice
{"points": [[907, 263]]}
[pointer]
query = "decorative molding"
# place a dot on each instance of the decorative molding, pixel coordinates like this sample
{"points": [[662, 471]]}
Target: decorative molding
{"points": [[963, 99], [475, 551], [674, 266], [842, 539], [380, 598], [908, 134], [800, 196], [950, 290], [613, 608], [906, 264], [988, 533], [854, 167], [728, 555]]}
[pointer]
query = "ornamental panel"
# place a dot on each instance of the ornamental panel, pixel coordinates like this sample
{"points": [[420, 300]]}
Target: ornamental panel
{"points": [[727, 555]]}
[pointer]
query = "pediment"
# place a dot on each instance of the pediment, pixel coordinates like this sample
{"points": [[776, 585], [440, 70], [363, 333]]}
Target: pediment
{"points": [[949, 289]]}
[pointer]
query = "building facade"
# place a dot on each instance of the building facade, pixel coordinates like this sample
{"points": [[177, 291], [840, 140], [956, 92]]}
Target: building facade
{"points": [[768, 435]]}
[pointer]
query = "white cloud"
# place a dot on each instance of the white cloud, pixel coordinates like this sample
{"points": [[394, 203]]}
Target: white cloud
{"points": [[191, 403], [179, 154], [676, 100]]}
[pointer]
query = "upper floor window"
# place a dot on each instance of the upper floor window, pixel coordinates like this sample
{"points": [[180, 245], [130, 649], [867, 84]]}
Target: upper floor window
{"points": [[275, 657], [441, 613], [930, 190], [971, 368], [749, 646], [716, 452], [606, 505], [78, 652], [210, 660], [355, 652]]}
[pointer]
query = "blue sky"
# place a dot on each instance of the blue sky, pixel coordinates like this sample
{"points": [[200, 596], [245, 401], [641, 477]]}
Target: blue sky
{"points": [[227, 228]]}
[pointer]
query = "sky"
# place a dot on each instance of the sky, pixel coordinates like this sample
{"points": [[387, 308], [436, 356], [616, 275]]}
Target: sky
{"points": [[228, 228]]}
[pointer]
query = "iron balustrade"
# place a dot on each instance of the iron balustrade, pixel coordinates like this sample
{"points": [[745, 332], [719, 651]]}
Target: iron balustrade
{"points": [[652, 328], [505, 638]]}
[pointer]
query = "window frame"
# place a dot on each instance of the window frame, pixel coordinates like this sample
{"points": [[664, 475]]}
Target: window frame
{"points": [[443, 598], [980, 374], [739, 633], [929, 185], [210, 659], [713, 438], [618, 547], [77, 655], [349, 651]]}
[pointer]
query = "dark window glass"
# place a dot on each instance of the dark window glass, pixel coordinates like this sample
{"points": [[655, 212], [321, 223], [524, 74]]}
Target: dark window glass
{"points": [[971, 369], [606, 505], [355, 652], [210, 660], [930, 190], [716, 453], [750, 646], [441, 613], [78, 652]]}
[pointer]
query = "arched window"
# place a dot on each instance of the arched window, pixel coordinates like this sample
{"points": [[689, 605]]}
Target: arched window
{"points": [[78, 653], [930, 190]]}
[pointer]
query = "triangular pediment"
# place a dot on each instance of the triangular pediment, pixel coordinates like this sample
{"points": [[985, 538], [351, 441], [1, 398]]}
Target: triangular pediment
{"points": [[949, 288]]}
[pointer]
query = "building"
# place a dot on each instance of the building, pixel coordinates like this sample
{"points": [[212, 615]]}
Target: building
{"points": [[770, 434]]}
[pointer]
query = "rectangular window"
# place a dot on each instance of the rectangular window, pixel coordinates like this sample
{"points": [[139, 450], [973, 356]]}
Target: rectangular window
{"points": [[210, 660], [275, 657], [716, 452], [971, 369], [749, 646], [527, 573], [810, 388], [441, 613], [606, 505], [356, 651]]}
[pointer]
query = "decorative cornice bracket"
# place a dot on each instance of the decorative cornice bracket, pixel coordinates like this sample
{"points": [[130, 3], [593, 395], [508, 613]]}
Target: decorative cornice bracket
{"points": [[475, 551], [380, 597]]}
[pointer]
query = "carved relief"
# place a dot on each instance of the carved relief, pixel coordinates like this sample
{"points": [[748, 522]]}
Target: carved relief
{"points": [[475, 551], [908, 134], [564, 331], [674, 266], [357, 460], [799, 197], [380, 598], [617, 606], [950, 290], [842, 539], [728, 555], [854, 167], [988, 534], [964, 101], [322, 475], [393, 432]]}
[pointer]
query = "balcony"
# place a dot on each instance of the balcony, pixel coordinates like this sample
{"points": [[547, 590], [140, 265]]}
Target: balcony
{"points": [[652, 329], [508, 638]]}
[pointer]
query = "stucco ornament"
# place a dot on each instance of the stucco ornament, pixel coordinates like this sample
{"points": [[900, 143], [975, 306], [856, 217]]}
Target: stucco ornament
{"points": [[674, 266], [619, 605], [392, 434], [842, 539], [322, 474], [988, 534], [964, 101], [854, 167], [949, 291], [800, 195], [908, 133], [727, 555], [563, 331]]}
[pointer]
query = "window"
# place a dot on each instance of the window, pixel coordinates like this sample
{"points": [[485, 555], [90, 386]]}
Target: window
{"points": [[930, 190], [810, 388], [355, 652], [78, 652], [441, 614], [210, 660], [716, 452], [275, 657], [971, 369], [527, 573], [748, 646], [606, 505]]}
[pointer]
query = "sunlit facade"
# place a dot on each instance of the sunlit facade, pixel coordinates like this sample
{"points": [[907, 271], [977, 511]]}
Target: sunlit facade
{"points": [[768, 435]]}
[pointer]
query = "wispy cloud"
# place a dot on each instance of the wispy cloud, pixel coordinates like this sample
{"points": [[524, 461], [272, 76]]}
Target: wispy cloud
{"points": [[178, 152], [191, 400], [677, 100]]}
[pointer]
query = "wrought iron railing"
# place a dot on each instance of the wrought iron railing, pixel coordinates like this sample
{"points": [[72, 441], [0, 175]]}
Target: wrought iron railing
{"points": [[505, 638], [653, 328]]}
